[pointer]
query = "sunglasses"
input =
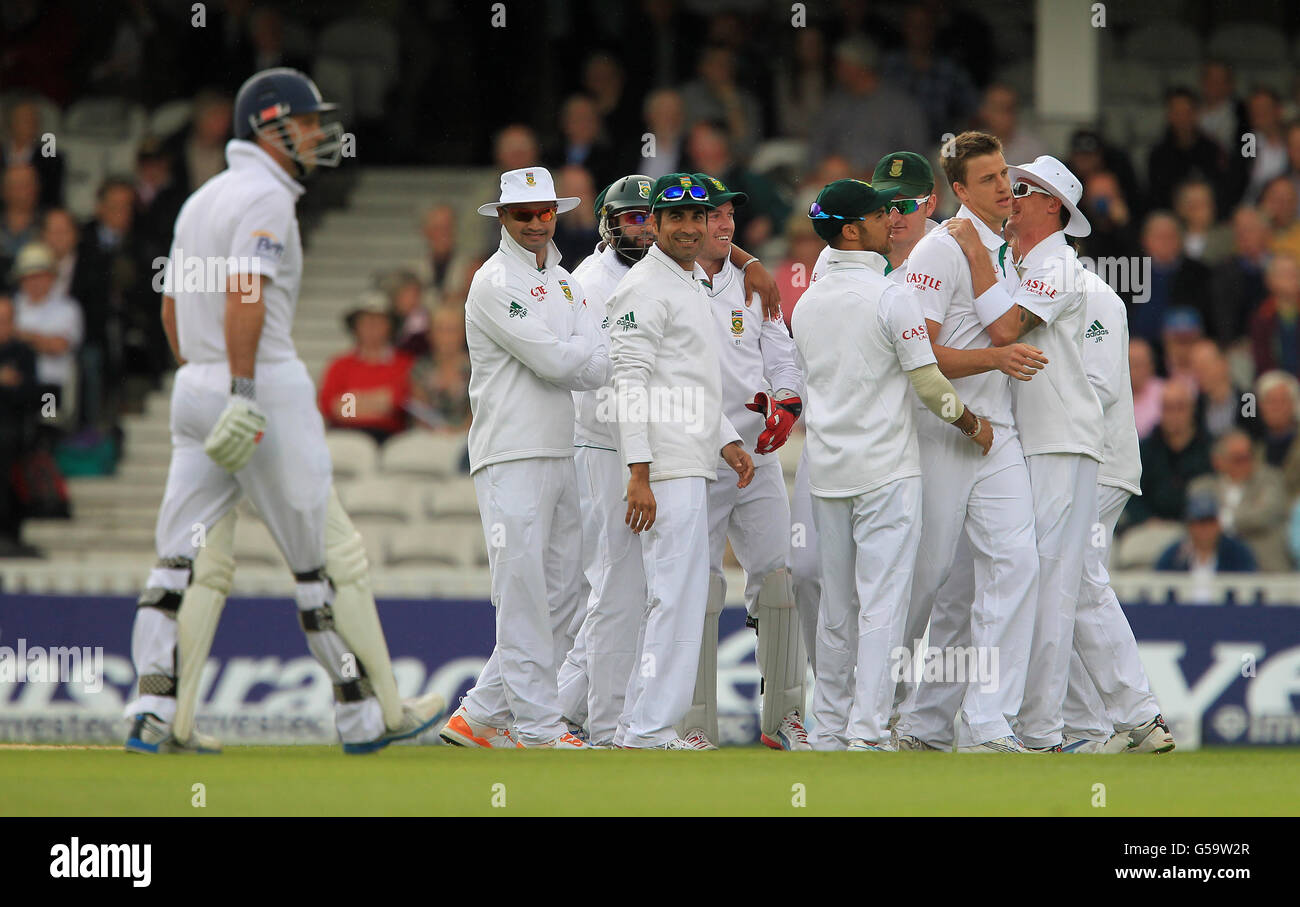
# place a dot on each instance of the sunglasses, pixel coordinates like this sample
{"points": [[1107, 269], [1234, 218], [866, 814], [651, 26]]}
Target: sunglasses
{"points": [[907, 205], [816, 213], [676, 193], [1024, 190], [633, 218], [524, 215]]}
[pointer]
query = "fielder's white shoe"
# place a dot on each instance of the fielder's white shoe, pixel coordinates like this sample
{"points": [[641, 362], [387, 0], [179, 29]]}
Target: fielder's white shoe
{"points": [[1151, 737], [998, 745], [566, 741], [150, 734], [1081, 745], [461, 731], [698, 740], [790, 735], [912, 743], [418, 715], [866, 746]]}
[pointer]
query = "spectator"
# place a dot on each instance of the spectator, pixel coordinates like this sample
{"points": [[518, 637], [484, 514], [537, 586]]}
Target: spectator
{"points": [[199, 149], [1275, 330], [665, 119], [942, 88], [406, 299], [18, 403], [603, 81], [60, 233], [1114, 233], [367, 389], [1278, 445], [158, 199], [1183, 331], [575, 233], [1251, 497], [801, 83], [756, 221], [1220, 406], [1184, 153], [1278, 203], [999, 114], [516, 147], [1206, 551], [1090, 154], [794, 273], [1222, 116], [21, 222], [1172, 456], [445, 268], [828, 171], [1264, 121], [51, 325], [715, 97], [1203, 239], [1237, 285], [440, 380], [266, 30], [1148, 388], [582, 143], [24, 143], [1175, 280], [864, 119]]}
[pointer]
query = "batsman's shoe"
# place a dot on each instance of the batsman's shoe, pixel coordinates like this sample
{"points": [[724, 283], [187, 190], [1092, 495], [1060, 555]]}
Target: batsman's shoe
{"points": [[1043, 750], [998, 745], [461, 731], [1081, 745], [566, 741], [149, 734], [866, 746], [910, 743], [790, 735], [418, 715], [677, 743], [699, 740], [578, 731], [1152, 737]]}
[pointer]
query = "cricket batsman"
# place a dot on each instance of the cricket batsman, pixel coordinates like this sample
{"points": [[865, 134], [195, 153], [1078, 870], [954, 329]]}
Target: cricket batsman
{"points": [[244, 422]]}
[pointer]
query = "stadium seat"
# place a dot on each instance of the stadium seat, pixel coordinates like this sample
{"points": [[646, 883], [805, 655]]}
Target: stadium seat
{"points": [[378, 499], [451, 497], [444, 543], [170, 118], [357, 63], [375, 535], [1166, 41], [85, 166], [1248, 42], [354, 453], [422, 453], [1140, 547], [1131, 80], [111, 118]]}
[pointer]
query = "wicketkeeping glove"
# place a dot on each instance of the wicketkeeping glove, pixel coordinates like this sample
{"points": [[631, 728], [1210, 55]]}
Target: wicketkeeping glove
{"points": [[233, 439], [780, 409]]}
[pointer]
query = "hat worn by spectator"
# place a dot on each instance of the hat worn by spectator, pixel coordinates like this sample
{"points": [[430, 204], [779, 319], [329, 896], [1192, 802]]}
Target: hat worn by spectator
{"points": [[33, 258], [676, 190], [905, 171], [843, 201], [1202, 505], [1056, 178], [528, 186], [1183, 321], [719, 194], [371, 302]]}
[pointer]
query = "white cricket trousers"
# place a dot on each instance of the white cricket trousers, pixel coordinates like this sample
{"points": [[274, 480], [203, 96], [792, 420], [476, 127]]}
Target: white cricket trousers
{"points": [[1106, 654], [868, 550], [1065, 508], [530, 519], [757, 520], [975, 584], [675, 552], [805, 559], [593, 679]]}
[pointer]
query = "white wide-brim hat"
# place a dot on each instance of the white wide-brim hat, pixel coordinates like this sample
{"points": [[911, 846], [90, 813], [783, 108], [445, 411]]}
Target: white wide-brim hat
{"points": [[528, 186], [1056, 178]]}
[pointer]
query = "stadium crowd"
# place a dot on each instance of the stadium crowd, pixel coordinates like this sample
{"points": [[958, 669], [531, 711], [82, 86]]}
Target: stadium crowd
{"points": [[1198, 228]]}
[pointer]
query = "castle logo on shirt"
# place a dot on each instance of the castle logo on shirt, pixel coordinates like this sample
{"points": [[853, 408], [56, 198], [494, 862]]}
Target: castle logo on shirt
{"points": [[1095, 332], [627, 322], [924, 281], [1039, 288], [517, 311], [916, 333], [568, 294]]}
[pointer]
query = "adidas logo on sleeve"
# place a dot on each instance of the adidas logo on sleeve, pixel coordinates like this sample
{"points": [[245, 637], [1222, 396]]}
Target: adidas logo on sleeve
{"points": [[627, 322], [1095, 331], [517, 311]]}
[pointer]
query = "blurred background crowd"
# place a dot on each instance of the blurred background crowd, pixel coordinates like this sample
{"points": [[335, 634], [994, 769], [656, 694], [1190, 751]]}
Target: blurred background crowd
{"points": [[113, 115]]}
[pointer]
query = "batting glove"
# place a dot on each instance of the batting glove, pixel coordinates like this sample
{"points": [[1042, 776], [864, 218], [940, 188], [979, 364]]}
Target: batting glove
{"points": [[233, 439], [780, 410]]}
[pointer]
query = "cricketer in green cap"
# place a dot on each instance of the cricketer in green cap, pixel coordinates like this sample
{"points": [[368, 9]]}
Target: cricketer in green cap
{"points": [[678, 189], [680, 204], [852, 210], [909, 213]]}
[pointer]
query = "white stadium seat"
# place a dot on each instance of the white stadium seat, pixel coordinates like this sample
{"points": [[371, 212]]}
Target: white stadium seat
{"points": [[452, 497], [378, 499], [454, 543], [170, 118], [353, 453], [422, 453]]}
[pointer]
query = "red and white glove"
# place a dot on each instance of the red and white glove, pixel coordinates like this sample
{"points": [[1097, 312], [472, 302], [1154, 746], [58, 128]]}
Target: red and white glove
{"points": [[781, 410]]}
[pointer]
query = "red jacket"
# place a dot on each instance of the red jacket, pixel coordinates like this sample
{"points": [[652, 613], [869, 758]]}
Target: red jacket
{"points": [[349, 374]]}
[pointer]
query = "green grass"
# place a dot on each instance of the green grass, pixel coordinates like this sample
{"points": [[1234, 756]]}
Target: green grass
{"points": [[408, 780]]}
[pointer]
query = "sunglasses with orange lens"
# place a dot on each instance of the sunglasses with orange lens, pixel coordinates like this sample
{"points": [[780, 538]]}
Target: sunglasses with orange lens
{"points": [[524, 215]]}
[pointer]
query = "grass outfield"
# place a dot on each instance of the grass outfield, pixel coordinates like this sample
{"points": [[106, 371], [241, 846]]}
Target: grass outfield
{"points": [[438, 780]]}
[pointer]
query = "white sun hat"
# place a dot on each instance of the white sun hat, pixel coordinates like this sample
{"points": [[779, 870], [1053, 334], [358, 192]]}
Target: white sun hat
{"points": [[528, 186], [1055, 177]]}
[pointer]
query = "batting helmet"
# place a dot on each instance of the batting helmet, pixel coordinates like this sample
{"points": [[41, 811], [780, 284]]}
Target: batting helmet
{"points": [[631, 193], [266, 102]]}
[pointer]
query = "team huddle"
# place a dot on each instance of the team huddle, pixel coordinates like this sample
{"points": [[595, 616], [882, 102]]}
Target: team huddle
{"points": [[968, 453]]}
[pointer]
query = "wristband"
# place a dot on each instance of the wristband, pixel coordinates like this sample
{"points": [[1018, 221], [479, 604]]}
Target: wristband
{"points": [[242, 387], [747, 264], [992, 304], [974, 431]]}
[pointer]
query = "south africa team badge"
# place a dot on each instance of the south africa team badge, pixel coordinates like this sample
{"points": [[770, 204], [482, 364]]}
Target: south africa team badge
{"points": [[737, 322], [568, 294]]}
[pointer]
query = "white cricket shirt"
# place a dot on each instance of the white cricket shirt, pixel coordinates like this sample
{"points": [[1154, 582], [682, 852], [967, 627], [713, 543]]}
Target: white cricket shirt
{"points": [[1105, 357], [599, 273]]}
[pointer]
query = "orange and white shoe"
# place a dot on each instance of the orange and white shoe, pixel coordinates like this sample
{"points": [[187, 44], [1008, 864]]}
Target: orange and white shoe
{"points": [[461, 731], [565, 741]]}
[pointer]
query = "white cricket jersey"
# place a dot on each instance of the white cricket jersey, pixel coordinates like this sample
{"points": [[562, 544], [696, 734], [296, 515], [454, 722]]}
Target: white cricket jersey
{"points": [[531, 343], [1105, 356], [940, 279], [667, 376], [757, 354], [599, 273], [858, 334], [1057, 411], [242, 221]]}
